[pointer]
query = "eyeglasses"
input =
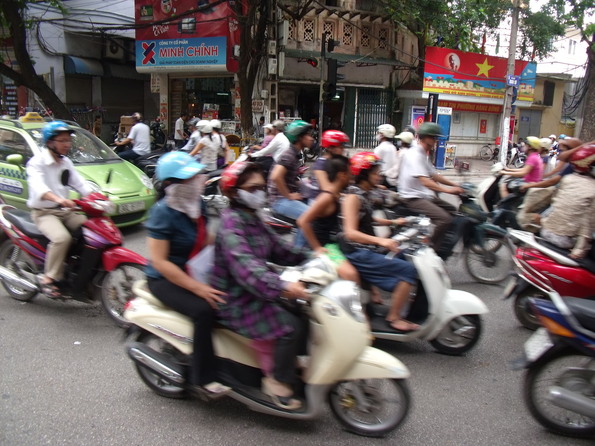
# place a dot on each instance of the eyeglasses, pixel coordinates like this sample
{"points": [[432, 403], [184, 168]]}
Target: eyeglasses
{"points": [[254, 187]]}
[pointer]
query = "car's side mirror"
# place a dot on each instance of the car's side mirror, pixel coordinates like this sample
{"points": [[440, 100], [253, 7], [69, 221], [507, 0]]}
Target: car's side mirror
{"points": [[15, 158]]}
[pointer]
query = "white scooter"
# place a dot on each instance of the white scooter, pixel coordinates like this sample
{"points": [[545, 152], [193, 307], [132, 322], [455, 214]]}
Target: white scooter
{"points": [[449, 319], [365, 387]]}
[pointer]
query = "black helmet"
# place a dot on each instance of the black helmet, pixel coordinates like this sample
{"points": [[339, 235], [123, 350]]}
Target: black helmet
{"points": [[430, 129]]}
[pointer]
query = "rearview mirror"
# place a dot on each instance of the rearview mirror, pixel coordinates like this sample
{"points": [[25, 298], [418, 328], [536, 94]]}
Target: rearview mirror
{"points": [[15, 158]]}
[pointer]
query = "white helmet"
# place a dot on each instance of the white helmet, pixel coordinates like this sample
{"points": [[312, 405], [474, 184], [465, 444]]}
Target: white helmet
{"points": [[200, 124], [207, 128], [387, 130], [406, 137], [545, 143], [216, 124], [553, 137]]}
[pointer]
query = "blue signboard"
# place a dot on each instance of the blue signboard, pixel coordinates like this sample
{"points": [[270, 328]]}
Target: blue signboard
{"points": [[205, 53]]}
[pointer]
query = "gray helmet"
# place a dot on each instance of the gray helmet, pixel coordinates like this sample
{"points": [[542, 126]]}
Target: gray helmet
{"points": [[429, 129], [279, 125], [192, 122]]}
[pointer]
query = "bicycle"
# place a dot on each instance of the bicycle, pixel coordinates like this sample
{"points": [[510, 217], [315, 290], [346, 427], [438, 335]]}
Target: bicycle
{"points": [[489, 153]]}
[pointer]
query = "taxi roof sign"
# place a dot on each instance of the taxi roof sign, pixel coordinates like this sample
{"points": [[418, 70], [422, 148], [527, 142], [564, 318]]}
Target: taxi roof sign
{"points": [[32, 117]]}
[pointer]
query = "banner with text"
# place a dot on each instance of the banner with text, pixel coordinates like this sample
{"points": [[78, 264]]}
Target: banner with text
{"points": [[472, 74]]}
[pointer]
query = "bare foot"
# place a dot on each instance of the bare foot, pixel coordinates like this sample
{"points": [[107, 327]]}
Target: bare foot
{"points": [[403, 325]]}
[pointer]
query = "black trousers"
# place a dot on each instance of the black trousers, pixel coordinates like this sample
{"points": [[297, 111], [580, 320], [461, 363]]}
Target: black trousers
{"points": [[287, 348], [183, 301]]}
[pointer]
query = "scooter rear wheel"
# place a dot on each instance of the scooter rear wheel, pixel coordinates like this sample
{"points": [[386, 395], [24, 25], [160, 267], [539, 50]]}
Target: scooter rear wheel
{"points": [[153, 381], [16, 260], [116, 290], [570, 370], [490, 264], [384, 407], [459, 335]]}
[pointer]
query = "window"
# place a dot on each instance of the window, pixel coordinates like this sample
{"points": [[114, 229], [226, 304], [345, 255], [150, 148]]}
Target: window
{"points": [[308, 30], [329, 27], [13, 143], [365, 40], [347, 38], [383, 38], [290, 30], [548, 92], [572, 47]]}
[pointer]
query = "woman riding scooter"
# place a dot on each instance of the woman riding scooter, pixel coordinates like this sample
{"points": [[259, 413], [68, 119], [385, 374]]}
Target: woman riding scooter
{"points": [[243, 246], [365, 250], [176, 228]]}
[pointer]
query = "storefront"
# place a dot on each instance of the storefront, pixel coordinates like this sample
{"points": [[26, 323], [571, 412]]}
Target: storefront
{"points": [[190, 60]]}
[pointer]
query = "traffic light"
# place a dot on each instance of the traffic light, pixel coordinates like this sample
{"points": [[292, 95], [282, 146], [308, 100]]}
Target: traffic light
{"points": [[331, 44], [328, 91], [312, 62], [332, 77]]}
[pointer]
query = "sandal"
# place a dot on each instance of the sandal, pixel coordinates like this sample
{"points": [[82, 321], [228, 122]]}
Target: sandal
{"points": [[410, 326], [49, 288], [271, 387]]}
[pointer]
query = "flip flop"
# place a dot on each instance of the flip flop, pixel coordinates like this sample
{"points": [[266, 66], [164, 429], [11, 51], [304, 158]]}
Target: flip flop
{"points": [[401, 330]]}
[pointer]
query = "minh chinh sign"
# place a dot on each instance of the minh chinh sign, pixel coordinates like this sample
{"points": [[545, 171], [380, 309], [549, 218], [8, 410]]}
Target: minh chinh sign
{"points": [[185, 35], [472, 74]]}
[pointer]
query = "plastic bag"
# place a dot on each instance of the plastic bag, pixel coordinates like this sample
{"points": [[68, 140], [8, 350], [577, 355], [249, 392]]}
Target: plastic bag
{"points": [[200, 266]]}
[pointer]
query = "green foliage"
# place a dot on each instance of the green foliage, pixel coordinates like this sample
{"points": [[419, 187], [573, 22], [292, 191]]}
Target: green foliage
{"points": [[538, 32]]}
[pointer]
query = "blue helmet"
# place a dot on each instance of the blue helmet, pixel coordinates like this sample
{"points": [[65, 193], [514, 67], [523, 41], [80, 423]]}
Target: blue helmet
{"points": [[54, 128], [179, 165]]}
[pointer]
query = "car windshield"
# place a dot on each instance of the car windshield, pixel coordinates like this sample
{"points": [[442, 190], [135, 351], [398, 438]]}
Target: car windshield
{"points": [[86, 147]]}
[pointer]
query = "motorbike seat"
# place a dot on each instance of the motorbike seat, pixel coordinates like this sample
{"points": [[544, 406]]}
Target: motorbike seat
{"points": [[583, 310], [22, 220], [285, 218], [585, 263]]}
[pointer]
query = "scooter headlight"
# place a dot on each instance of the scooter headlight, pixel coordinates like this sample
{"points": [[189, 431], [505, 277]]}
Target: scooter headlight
{"points": [[347, 294]]}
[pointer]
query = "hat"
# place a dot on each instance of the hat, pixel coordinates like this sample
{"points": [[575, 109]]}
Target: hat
{"points": [[268, 126], [406, 137]]}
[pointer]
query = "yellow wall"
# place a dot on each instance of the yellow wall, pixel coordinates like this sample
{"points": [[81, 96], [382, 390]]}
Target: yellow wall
{"points": [[551, 115]]}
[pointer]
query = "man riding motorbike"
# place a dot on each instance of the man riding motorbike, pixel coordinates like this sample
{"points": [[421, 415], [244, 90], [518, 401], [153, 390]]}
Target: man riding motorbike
{"points": [[419, 182], [139, 136], [49, 175]]}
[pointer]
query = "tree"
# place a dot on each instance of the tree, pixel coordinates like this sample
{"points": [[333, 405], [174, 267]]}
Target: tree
{"points": [[576, 14], [12, 20]]}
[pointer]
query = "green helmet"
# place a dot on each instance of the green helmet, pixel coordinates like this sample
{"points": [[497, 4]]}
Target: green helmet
{"points": [[297, 129], [430, 129]]}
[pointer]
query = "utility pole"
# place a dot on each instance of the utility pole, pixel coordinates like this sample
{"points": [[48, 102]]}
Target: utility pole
{"points": [[321, 92], [507, 106]]}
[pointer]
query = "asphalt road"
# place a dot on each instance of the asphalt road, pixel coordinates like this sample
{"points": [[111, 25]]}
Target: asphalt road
{"points": [[65, 380]]}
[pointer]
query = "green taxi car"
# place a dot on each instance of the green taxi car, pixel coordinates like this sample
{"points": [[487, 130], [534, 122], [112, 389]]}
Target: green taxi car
{"points": [[124, 184]]}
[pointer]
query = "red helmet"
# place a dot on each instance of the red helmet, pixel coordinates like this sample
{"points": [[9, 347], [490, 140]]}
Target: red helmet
{"points": [[334, 138], [362, 161], [229, 177], [583, 159]]}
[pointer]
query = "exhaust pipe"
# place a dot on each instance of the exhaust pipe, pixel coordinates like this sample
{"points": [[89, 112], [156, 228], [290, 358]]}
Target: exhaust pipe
{"points": [[11, 278], [156, 362], [572, 401]]}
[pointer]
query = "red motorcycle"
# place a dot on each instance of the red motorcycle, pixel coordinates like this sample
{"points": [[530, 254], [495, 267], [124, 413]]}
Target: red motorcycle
{"points": [[543, 268], [97, 266]]}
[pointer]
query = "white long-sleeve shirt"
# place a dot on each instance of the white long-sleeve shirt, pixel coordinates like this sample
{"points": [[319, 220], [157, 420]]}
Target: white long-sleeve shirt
{"points": [[45, 174], [275, 147]]}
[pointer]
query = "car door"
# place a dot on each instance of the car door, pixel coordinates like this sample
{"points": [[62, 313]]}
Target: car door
{"points": [[13, 178]]}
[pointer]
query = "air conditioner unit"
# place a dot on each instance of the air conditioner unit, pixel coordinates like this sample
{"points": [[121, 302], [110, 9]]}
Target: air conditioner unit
{"points": [[114, 49], [272, 48], [272, 66]]}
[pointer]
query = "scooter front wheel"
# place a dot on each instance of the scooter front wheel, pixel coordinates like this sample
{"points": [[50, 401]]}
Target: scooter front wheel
{"points": [[116, 290], [459, 335], [490, 263], [370, 407], [18, 261], [522, 308]]}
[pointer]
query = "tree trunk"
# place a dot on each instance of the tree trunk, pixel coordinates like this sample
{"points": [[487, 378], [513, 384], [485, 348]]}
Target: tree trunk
{"points": [[587, 132], [27, 76]]}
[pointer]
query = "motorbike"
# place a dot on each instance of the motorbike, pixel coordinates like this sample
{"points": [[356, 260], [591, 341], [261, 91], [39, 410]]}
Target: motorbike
{"points": [[97, 265], [559, 383], [365, 387], [449, 319], [515, 157], [542, 267], [486, 255], [158, 137]]}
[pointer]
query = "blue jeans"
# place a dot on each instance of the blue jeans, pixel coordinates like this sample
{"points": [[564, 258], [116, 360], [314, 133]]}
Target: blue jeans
{"points": [[129, 155], [292, 209], [385, 273]]}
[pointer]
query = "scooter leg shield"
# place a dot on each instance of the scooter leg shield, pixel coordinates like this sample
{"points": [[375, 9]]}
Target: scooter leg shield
{"points": [[374, 364], [457, 303]]}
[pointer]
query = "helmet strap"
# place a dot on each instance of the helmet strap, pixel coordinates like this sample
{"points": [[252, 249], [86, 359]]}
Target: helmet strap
{"points": [[58, 154]]}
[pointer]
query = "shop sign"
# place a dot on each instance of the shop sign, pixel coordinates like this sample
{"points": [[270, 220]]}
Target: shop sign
{"points": [[471, 107], [257, 105], [417, 116], [472, 74], [205, 53], [155, 83]]}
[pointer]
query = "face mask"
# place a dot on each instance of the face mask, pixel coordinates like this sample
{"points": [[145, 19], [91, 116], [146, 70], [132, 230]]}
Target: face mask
{"points": [[253, 200], [379, 137], [185, 197]]}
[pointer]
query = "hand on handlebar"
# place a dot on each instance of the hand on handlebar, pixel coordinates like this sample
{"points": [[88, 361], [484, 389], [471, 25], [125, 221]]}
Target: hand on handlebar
{"points": [[390, 244], [296, 290], [457, 190], [66, 203]]}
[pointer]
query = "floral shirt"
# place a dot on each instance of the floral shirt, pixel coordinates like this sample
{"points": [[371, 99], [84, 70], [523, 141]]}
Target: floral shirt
{"points": [[243, 246]]}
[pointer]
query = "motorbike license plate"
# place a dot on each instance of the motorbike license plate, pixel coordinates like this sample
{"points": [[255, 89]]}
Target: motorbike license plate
{"points": [[537, 344], [127, 208], [510, 286]]}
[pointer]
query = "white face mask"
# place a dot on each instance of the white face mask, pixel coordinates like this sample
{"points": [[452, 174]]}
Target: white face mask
{"points": [[253, 200], [185, 197]]}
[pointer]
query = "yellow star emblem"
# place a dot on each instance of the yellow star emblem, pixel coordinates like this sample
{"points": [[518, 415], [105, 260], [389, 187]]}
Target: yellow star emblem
{"points": [[484, 68]]}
